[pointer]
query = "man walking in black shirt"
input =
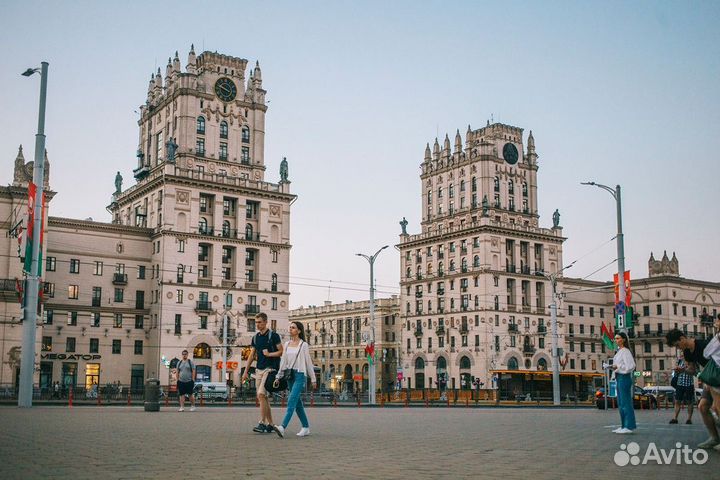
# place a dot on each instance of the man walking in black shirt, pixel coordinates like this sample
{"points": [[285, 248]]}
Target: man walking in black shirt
{"points": [[268, 346]]}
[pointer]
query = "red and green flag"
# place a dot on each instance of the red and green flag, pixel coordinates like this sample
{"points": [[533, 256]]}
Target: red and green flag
{"points": [[607, 337], [370, 353], [32, 192]]}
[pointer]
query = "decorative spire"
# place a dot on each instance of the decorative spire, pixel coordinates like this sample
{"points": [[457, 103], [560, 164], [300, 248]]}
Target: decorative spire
{"points": [[158, 78], [446, 144], [458, 141], [427, 152], [176, 63], [191, 65], [531, 142], [257, 73]]}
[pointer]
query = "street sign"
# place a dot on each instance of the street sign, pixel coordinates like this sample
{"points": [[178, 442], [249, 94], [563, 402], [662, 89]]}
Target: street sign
{"points": [[620, 322], [620, 308]]}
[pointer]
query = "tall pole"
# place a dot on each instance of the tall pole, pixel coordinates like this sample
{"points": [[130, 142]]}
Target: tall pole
{"points": [[27, 365], [620, 249], [620, 252], [225, 335], [555, 356], [371, 367]]}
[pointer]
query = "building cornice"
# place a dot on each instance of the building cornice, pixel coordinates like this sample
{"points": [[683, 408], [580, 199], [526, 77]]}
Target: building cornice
{"points": [[61, 222]]}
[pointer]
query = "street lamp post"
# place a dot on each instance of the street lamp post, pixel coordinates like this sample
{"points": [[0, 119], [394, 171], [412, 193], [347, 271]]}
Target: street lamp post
{"points": [[620, 244], [225, 334], [32, 283], [371, 368]]}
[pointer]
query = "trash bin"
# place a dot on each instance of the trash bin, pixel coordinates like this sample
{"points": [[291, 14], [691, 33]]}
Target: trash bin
{"points": [[152, 395]]}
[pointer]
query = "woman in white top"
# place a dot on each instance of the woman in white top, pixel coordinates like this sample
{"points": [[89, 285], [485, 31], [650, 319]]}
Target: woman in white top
{"points": [[297, 364], [624, 365]]}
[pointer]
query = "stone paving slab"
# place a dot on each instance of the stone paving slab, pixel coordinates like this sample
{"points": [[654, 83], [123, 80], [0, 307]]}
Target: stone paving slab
{"points": [[128, 443]]}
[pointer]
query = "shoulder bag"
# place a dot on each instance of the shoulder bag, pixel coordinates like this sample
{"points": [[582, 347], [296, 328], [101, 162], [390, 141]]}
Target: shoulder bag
{"points": [[283, 381]]}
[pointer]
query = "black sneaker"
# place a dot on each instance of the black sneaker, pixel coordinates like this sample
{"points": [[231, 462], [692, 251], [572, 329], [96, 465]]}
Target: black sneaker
{"points": [[269, 429], [261, 428], [673, 421]]}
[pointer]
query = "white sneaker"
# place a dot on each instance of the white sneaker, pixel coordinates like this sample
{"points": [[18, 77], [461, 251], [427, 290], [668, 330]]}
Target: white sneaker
{"points": [[192, 409], [304, 432], [617, 430], [625, 431], [181, 409], [280, 430]]}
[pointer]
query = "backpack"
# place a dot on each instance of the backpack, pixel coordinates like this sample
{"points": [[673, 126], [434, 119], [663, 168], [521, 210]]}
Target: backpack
{"points": [[190, 362]]}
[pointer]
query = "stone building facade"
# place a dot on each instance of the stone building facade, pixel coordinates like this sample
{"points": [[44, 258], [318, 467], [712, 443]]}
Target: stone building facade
{"points": [[200, 239], [338, 334]]}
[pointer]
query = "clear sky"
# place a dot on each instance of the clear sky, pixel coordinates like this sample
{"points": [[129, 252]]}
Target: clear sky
{"points": [[616, 92]]}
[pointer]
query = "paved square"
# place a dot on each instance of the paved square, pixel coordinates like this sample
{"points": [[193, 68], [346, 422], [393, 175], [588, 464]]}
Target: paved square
{"points": [[408, 443]]}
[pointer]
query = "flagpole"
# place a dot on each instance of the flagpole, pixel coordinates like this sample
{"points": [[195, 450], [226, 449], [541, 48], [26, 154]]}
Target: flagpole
{"points": [[32, 281]]}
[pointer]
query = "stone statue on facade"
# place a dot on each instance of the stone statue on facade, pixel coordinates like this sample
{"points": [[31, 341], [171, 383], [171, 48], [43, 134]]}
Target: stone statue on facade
{"points": [[118, 183], [403, 225], [171, 149], [485, 206], [556, 219], [284, 170]]}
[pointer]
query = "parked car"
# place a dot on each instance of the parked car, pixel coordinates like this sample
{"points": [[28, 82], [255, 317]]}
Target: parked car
{"points": [[641, 399], [211, 391], [662, 394]]}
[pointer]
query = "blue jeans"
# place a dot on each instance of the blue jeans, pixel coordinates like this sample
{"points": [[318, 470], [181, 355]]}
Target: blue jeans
{"points": [[625, 400], [297, 385]]}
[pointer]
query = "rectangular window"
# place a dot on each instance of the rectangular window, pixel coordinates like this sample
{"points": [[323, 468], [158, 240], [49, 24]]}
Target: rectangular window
{"points": [[582, 364], [203, 322], [74, 265], [570, 309], [95, 320], [581, 311], [94, 345], [178, 296], [223, 151], [49, 289], [646, 310], [138, 347], [200, 146], [50, 264], [119, 294], [98, 269], [602, 313], [139, 299], [96, 296], [118, 320], [178, 324], [48, 317], [658, 309], [73, 292], [181, 246], [592, 311], [572, 363], [47, 344], [139, 321], [245, 156], [72, 318], [274, 304], [684, 311], [70, 344], [141, 272], [116, 347]]}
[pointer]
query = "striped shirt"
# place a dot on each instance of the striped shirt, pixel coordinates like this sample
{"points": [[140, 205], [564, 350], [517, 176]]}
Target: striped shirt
{"points": [[684, 378]]}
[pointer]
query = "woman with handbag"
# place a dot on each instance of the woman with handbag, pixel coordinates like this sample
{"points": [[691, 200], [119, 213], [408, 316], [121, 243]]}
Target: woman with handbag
{"points": [[710, 374], [295, 366], [624, 364]]}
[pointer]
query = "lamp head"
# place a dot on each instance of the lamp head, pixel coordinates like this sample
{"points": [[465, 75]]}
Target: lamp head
{"points": [[29, 72], [587, 183]]}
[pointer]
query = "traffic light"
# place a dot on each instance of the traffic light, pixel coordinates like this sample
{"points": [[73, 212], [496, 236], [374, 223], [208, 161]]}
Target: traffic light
{"points": [[631, 319]]}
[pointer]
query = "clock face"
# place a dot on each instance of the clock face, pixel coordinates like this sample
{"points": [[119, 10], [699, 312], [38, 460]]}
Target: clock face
{"points": [[225, 89], [510, 153]]}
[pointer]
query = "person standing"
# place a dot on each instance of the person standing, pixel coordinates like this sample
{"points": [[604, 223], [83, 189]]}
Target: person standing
{"points": [[684, 392], [298, 366], [624, 365], [186, 381], [692, 349], [269, 349]]}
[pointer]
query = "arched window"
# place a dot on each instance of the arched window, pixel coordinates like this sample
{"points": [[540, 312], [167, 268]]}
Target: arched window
{"points": [[474, 184], [477, 301], [180, 273], [497, 303], [429, 269], [429, 305], [248, 232], [419, 271], [542, 364], [245, 134], [462, 185], [419, 364], [201, 125], [463, 264], [496, 183], [441, 364], [202, 351], [408, 273], [476, 261], [273, 286], [202, 226], [524, 189], [226, 229], [511, 187], [223, 129], [464, 363], [512, 364], [452, 265], [440, 268]]}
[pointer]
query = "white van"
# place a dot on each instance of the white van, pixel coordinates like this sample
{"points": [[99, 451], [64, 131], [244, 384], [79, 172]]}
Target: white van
{"points": [[211, 391], [662, 393]]}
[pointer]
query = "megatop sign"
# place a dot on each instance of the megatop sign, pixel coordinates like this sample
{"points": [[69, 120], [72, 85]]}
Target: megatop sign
{"points": [[71, 356]]}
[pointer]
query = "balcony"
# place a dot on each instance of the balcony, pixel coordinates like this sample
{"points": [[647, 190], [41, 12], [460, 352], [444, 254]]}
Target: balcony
{"points": [[542, 329], [418, 294], [440, 272], [513, 328], [252, 310], [440, 330], [510, 268], [525, 270], [251, 285], [441, 291], [203, 306], [252, 237], [418, 332], [528, 350], [205, 282], [706, 319], [120, 279], [463, 329], [141, 172], [418, 276]]}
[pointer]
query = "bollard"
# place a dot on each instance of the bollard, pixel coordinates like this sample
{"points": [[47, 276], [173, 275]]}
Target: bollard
{"points": [[202, 399], [99, 402], [70, 397], [426, 401], [358, 400], [167, 399], [129, 399], [312, 400], [334, 401], [447, 396], [467, 401], [229, 400], [407, 401]]}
